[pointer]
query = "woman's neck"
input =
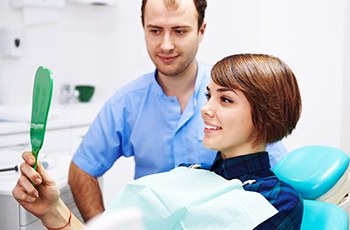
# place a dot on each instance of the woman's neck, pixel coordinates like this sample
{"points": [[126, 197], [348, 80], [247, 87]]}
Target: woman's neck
{"points": [[243, 150]]}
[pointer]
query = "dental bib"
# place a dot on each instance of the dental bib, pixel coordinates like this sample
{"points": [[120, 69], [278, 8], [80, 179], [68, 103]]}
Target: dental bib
{"points": [[188, 198]]}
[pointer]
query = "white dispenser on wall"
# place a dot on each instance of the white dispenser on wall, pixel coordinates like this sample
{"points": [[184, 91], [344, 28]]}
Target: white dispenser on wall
{"points": [[10, 43]]}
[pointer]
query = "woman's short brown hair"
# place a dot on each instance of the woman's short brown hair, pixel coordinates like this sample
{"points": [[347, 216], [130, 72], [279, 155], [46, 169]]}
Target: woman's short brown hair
{"points": [[271, 89]]}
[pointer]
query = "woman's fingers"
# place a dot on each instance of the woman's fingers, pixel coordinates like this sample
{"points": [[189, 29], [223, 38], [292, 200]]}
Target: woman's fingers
{"points": [[29, 158], [24, 190], [32, 182], [29, 172], [45, 176]]}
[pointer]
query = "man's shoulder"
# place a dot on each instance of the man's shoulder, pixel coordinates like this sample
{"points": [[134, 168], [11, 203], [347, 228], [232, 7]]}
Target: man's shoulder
{"points": [[138, 85], [204, 67], [203, 75]]}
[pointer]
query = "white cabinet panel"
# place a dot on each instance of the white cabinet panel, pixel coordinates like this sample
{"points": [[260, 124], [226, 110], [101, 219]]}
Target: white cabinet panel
{"points": [[56, 140], [15, 141], [77, 135]]}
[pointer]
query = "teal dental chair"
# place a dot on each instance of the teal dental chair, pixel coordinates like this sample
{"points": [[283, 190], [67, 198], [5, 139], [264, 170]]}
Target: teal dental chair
{"points": [[321, 175]]}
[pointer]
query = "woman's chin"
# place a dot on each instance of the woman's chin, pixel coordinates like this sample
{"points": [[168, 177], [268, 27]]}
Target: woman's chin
{"points": [[210, 144]]}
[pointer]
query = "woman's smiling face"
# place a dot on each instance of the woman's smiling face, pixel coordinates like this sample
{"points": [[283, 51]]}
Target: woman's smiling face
{"points": [[228, 121]]}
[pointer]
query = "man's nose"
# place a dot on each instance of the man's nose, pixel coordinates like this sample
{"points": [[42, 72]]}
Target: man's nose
{"points": [[167, 42]]}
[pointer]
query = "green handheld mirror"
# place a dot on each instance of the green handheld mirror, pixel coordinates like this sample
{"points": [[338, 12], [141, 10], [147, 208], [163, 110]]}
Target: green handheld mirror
{"points": [[41, 100]]}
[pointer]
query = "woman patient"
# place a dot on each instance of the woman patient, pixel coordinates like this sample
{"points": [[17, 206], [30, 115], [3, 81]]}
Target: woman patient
{"points": [[252, 100]]}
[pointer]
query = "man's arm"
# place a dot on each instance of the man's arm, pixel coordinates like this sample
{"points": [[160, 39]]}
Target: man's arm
{"points": [[86, 191]]}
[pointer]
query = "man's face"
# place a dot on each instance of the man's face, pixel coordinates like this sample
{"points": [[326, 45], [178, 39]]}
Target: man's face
{"points": [[171, 35]]}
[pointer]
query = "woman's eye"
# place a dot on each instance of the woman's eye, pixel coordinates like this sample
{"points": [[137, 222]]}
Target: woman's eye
{"points": [[226, 100], [207, 96]]}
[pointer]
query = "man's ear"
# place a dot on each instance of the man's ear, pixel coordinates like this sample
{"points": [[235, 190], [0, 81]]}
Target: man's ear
{"points": [[202, 31]]}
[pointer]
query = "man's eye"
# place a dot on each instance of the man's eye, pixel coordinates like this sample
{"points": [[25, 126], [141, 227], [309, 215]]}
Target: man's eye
{"points": [[155, 31], [179, 32]]}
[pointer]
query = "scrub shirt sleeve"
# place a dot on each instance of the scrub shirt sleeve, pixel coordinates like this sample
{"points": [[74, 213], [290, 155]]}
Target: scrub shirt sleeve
{"points": [[101, 146]]}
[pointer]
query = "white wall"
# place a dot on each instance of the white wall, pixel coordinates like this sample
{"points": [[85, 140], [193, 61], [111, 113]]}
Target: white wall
{"points": [[104, 46], [345, 112], [307, 35], [87, 44]]}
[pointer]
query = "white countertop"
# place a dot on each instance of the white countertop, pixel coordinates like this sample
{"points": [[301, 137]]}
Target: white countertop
{"points": [[16, 119]]}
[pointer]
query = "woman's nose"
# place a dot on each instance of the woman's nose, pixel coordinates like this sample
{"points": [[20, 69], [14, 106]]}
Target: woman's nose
{"points": [[207, 110]]}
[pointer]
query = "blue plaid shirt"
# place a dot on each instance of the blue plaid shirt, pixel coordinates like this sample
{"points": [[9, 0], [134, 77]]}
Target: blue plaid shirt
{"points": [[281, 195]]}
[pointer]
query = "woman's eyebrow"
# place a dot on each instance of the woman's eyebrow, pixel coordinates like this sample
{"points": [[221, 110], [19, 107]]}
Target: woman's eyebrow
{"points": [[225, 89], [222, 89]]}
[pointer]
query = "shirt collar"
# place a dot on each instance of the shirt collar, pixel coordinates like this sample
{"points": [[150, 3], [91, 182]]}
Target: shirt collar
{"points": [[241, 165]]}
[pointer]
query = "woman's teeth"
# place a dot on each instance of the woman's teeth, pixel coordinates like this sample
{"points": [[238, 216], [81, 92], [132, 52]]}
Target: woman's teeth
{"points": [[212, 127]]}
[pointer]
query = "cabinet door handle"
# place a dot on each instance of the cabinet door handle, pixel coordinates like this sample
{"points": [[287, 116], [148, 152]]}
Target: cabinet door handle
{"points": [[19, 146]]}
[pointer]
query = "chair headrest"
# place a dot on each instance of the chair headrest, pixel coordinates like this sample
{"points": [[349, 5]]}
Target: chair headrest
{"points": [[312, 170]]}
